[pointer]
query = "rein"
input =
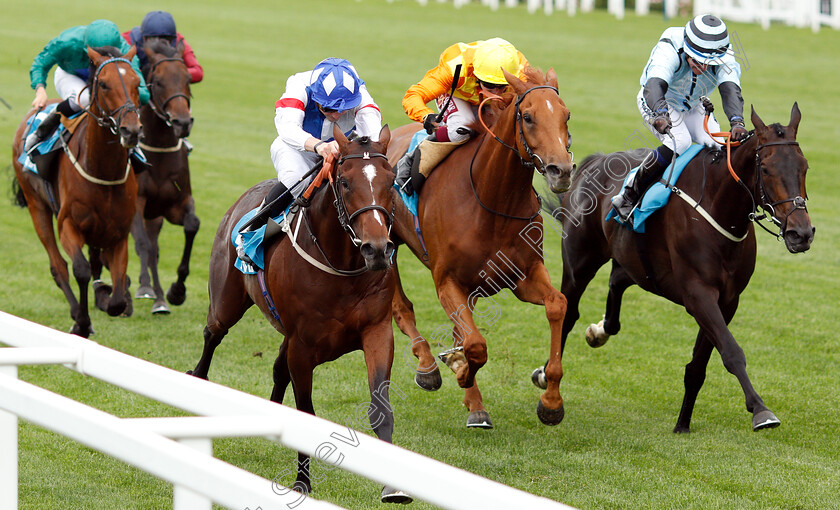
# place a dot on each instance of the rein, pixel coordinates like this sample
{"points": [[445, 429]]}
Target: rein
{"points": [[345, 218], [798, 201], [108, 120]]}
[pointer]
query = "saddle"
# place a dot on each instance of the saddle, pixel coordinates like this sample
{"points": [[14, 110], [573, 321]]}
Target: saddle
{"points": [[430, 156]]}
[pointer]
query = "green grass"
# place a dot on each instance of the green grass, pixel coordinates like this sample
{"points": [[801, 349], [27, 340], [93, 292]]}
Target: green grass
{"points": [[615, 448]]}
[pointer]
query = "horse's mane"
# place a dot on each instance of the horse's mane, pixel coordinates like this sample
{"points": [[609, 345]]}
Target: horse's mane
{"points": [[105, 51], [161, 45]]}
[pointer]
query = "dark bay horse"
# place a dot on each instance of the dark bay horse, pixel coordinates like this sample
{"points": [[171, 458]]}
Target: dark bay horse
{"points": [[164, 189], [95, 189], [321, 314], [687, 259], [479, 217]]}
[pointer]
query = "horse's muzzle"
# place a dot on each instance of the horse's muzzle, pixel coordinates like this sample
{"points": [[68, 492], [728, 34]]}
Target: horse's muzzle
{"points": [[129, 136], [798, 240], [559, 176], [182, 127], [377, 254]]}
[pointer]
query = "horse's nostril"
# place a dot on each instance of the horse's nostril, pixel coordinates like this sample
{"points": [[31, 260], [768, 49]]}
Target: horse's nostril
{"points": [[389, 249], [367, 250]]}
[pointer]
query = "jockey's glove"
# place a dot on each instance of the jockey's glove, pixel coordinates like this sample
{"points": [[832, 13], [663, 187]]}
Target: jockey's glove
{"points": [[738, 132], [661, 123], [429, 122]]}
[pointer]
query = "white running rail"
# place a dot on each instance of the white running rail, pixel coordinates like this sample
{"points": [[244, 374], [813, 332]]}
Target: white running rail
{"points": [[198, 478]]}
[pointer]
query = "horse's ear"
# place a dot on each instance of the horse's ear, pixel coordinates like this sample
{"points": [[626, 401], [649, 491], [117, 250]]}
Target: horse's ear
{"points": [[385, 136], [551, 78], [517, 84], [93, 54], [181, 48], [795, 117], [131, 52], [756, 120], [340, 138]]}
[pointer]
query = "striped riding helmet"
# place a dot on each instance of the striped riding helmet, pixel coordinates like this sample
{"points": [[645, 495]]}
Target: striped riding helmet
{"points": [[706, 39]]}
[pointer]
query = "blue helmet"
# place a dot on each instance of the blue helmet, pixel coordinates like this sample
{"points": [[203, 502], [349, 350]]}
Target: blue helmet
{"points": [[158, 24], [336, 85]]}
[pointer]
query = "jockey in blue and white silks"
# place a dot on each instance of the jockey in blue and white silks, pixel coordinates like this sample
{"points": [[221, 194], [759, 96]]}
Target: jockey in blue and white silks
{"points": [[686, 63]]}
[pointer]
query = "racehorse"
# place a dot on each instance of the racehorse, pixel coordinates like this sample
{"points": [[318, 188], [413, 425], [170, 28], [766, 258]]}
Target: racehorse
{"points": [[96, 189], [328, 292], [481, 231], [164, 189], [699, 257]]}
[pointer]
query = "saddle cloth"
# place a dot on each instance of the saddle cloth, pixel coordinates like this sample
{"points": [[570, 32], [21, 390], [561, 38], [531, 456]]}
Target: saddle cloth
{"points": [[47, 145], [657, 195], [252, 242]]}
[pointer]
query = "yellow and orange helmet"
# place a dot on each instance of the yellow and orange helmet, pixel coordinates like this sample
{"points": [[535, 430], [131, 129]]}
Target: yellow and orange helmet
{"points": [[493, 55]]}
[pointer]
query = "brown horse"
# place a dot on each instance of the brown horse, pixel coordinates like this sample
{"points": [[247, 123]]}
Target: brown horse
{"points": [[479, 217], [96, 189], [164, 189], [685, 257], [339, 302]]}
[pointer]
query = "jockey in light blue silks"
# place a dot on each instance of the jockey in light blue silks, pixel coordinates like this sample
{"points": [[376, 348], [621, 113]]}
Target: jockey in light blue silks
{"points": [[687, 63]]}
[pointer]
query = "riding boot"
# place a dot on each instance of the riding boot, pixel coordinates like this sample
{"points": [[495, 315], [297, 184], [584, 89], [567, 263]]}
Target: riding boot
{"points": [[649, 172], [44, 130], [405, 164], [278, 198]]}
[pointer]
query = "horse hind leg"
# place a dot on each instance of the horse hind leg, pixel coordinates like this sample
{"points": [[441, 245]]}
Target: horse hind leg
{"points": [[598, 334], [152, 228], [695, 376], [282, 376], [177, 292], [142, 247]]}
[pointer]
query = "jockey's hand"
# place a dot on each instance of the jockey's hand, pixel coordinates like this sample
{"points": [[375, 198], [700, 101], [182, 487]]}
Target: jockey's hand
{"points": [[327, 148], [739, 132], [707, 104], [429, 123], [40, 100], [661, 123]]}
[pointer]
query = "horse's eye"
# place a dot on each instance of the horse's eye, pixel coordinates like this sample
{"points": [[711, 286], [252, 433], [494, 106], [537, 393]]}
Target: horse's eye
{"points": [[103, 85], [344, 184], [569, 143], [527, 118]]}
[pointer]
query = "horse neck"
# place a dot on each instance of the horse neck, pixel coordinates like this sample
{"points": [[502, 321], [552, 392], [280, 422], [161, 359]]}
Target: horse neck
{"points": [[730, 195], [155, 130], [501, 180], [101, 155], [332, 239]]}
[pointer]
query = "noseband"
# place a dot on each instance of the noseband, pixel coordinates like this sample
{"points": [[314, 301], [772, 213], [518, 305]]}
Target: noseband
{"points": [[108, 120], [160, 111], [345, 219], [798, 201]]}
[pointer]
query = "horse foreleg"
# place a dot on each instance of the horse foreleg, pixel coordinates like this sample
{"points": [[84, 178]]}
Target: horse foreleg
{"points": [[152, 228], [426, 373], [281, 374], [457, 306], [537, 288], [142, 246], [177, 293], [117, 261], [695, 375], [598, 334], [300, 368], [72, 242], [703, 305]]}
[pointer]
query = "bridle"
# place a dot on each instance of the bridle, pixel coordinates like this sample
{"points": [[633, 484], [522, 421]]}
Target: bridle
{"points": [[160, 109], [345, 219], [539, 166], [107, 120]]}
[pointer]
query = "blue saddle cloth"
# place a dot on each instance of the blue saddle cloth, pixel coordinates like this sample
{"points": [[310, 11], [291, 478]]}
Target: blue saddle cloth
{"points": [[47, 145], [657, 195], [252, 242], [411, 201]]}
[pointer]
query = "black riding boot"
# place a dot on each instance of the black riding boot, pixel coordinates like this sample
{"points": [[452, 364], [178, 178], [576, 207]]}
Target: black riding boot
{"points": [[649, 172], [48, 125], [405, 164], [278, 198]]}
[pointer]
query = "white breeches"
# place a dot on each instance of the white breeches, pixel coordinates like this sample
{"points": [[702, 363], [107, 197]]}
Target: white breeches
{"points": [[686, 126], [69, 86], [459, 114], [292, 164]]}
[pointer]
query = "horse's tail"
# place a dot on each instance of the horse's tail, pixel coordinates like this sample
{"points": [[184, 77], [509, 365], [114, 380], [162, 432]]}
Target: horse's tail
{"points": [[19, 198]]}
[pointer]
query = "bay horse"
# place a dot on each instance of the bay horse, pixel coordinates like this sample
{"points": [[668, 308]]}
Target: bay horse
{"points": [[96, 189], [700, 264], [479, 216], [327, 311], [164, 189]]}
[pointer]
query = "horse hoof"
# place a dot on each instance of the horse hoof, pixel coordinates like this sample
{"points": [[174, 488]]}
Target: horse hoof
{"points": [[391, 495], [453, 358], [177, 294], [145, 292], [80, 331], [596, 336], [765, 420], [129, 309], [429, 381], [549, 416], [479, 420], [102, 296], [538, 378], [160, 309]]}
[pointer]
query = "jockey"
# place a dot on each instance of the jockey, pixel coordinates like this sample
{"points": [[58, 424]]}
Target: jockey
{"points": [[68, 52], [686, 64], [313, 102], [481, 74], [160, 24]]}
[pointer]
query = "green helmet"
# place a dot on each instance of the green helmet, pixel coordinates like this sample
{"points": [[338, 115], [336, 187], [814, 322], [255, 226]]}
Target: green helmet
{"points": [[102, 33]]}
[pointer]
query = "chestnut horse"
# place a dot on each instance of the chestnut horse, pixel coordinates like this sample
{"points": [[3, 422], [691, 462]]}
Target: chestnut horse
{"points": [[327, 311], [96, 189], [164, 189], [479, 216], [698, 263]]}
